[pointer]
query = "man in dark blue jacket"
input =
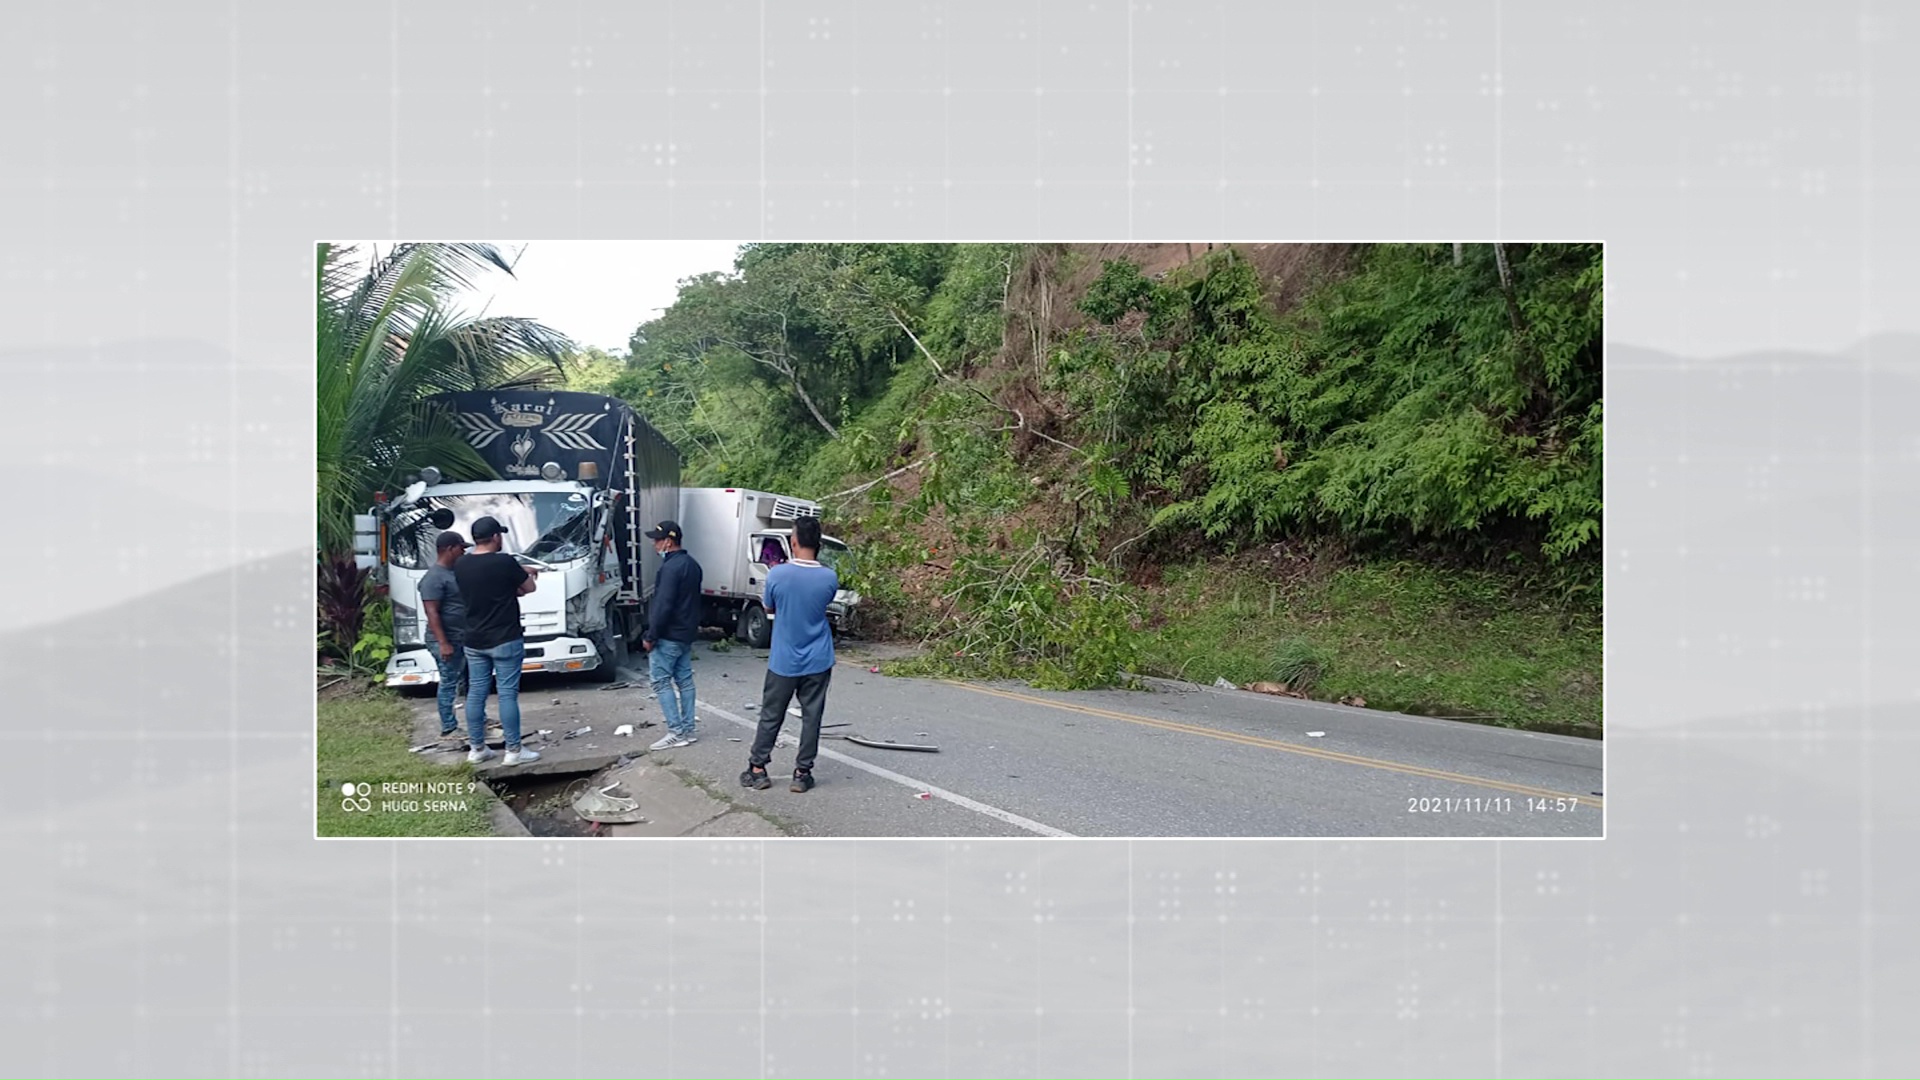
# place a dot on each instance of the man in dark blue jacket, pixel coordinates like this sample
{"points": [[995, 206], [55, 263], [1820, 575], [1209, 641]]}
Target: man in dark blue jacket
{"points": [[673, 623]]}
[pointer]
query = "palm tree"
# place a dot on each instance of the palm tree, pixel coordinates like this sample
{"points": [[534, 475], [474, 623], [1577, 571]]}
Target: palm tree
{"points": [[388, 337]]}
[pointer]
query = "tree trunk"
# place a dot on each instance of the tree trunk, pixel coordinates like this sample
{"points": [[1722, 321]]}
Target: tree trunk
{"points": [[831, 431]]}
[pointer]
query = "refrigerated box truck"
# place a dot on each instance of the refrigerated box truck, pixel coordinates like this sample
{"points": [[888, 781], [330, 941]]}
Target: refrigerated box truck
{"points": [[737, 536]]}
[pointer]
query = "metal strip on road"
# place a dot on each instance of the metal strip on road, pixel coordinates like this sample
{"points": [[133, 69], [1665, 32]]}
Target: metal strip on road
{"points": [[1274, 744], [908, 782]]}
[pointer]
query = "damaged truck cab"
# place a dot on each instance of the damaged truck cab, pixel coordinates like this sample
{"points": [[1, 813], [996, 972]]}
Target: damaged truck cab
{"points": [[576, 479]]}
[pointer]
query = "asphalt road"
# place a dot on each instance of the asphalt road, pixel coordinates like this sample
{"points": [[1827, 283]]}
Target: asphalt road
{"points": [[1169, 761]]}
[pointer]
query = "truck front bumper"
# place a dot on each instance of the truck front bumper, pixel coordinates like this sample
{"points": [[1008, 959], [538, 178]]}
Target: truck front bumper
{"points": [[417, 666]]}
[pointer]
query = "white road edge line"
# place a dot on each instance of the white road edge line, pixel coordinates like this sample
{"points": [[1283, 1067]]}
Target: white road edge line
{"points": [[905, 781]]}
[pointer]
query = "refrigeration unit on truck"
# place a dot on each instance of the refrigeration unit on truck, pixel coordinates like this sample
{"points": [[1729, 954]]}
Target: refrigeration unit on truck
{"points": [[576, 479], [737, 535]]}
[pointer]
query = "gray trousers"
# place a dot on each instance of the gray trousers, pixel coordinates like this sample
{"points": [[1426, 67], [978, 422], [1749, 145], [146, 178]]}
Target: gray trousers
{"points": [[775, 694]]}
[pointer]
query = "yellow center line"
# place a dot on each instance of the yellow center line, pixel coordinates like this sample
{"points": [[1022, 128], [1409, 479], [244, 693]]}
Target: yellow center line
{"points": [[1274, 744]]}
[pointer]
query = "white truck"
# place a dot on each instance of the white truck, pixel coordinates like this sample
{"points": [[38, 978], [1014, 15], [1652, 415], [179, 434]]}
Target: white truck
{"points": [[736, 535], [577, 479]]}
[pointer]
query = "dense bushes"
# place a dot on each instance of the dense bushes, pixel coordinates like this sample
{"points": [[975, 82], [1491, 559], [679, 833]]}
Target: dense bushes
{"points": [[1412, 399]]}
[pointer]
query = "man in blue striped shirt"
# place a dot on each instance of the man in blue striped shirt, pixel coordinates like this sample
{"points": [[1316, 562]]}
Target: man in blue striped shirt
{"points": [[801, 659]]}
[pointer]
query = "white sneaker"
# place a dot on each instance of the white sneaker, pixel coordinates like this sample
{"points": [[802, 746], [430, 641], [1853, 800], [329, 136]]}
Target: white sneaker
{"points": [[520, 757], [670, 741], [475, 757]]}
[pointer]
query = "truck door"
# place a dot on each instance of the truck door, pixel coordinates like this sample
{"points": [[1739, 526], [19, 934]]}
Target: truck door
{"points": [[764, 552]]}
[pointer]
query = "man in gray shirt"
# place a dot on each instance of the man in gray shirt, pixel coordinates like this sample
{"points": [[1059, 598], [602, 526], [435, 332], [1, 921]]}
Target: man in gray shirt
{"points": [[447, 618]]}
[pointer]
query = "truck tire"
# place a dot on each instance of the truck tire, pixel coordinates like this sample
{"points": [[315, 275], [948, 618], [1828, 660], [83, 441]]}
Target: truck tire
{"points": [[755, 627], [611, 644]]}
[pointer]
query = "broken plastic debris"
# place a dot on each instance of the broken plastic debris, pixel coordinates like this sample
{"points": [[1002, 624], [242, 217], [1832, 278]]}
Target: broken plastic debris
{"points": [[751, 706], [873, 671], [577, 732], [603, 808], [924, 795], [732, 739], [1224, 684], [623, 729], [1316, 734]]}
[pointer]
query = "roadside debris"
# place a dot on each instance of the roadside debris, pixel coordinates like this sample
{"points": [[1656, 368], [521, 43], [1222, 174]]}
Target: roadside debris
{"points": [[1354, 700], [730, 738], [924, 795], [577, 732], [793, 710], [1274, 688], [873, 671], [615, 686], [623, 729], [888, 744], [604, 807], [1316, 734], [1223, 684], [751, 706]]}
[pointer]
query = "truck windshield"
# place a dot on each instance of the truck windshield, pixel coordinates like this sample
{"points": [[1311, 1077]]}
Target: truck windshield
{"points": [[834, 553], [553, 526]]}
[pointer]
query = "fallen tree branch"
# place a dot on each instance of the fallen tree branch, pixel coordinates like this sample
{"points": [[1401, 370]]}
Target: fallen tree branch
{"points": [[880, 480]]}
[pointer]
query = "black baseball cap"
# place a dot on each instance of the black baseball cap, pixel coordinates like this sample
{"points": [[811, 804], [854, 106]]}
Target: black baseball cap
{"points": [[666, 530], [486, 528], [449, 540]]}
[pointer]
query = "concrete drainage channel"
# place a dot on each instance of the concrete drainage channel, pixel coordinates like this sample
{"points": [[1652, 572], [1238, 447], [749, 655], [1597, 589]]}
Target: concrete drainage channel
{"points": [[594, 758], [631, 796], [544, 804]]}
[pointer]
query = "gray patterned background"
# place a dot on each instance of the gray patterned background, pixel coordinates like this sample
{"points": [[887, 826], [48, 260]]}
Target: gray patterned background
{"points": [[166, 168]]}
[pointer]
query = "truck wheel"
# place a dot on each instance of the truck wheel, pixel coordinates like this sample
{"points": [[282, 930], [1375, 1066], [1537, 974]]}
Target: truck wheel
{"points": [[612, 647], [758, 628]]}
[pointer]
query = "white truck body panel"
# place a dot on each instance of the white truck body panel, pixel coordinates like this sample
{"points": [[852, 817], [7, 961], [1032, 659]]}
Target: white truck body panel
{"points": [[724, 530], [721, 526]]}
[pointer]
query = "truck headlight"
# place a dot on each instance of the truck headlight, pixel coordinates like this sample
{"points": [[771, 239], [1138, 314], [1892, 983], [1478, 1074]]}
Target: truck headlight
{"points": [[406, 625]]}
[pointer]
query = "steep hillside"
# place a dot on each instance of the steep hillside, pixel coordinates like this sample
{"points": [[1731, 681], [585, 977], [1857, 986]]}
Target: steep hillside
{"points": [[1361, 473]]}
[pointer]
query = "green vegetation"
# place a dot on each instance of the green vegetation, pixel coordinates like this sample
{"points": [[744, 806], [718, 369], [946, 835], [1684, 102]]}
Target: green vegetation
{"points": [[1404, 636], [1021, 448], [387, 336], [363, 737]]}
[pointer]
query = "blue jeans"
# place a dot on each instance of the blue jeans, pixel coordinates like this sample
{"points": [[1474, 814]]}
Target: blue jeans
{"points": [[485, 668], [453, 683], [671, 665]]}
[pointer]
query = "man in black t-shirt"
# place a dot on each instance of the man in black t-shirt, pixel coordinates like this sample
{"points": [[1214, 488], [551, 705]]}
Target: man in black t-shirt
{"points": [[492, 583]]}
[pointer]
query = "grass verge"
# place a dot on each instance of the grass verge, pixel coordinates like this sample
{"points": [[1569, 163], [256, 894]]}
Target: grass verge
{"points": [[363, 738], [1406, 637]]}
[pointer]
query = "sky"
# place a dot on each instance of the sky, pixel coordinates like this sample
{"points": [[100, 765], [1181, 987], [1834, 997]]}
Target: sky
{"points": [[594, 291]]}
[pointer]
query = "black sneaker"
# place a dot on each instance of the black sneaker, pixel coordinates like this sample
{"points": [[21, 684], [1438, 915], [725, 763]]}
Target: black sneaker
{"points": [[802, 781], [756, 777]]}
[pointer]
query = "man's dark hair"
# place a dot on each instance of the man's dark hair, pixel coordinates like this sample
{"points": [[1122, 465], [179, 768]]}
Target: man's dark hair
{"points": [[806, 534]]}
